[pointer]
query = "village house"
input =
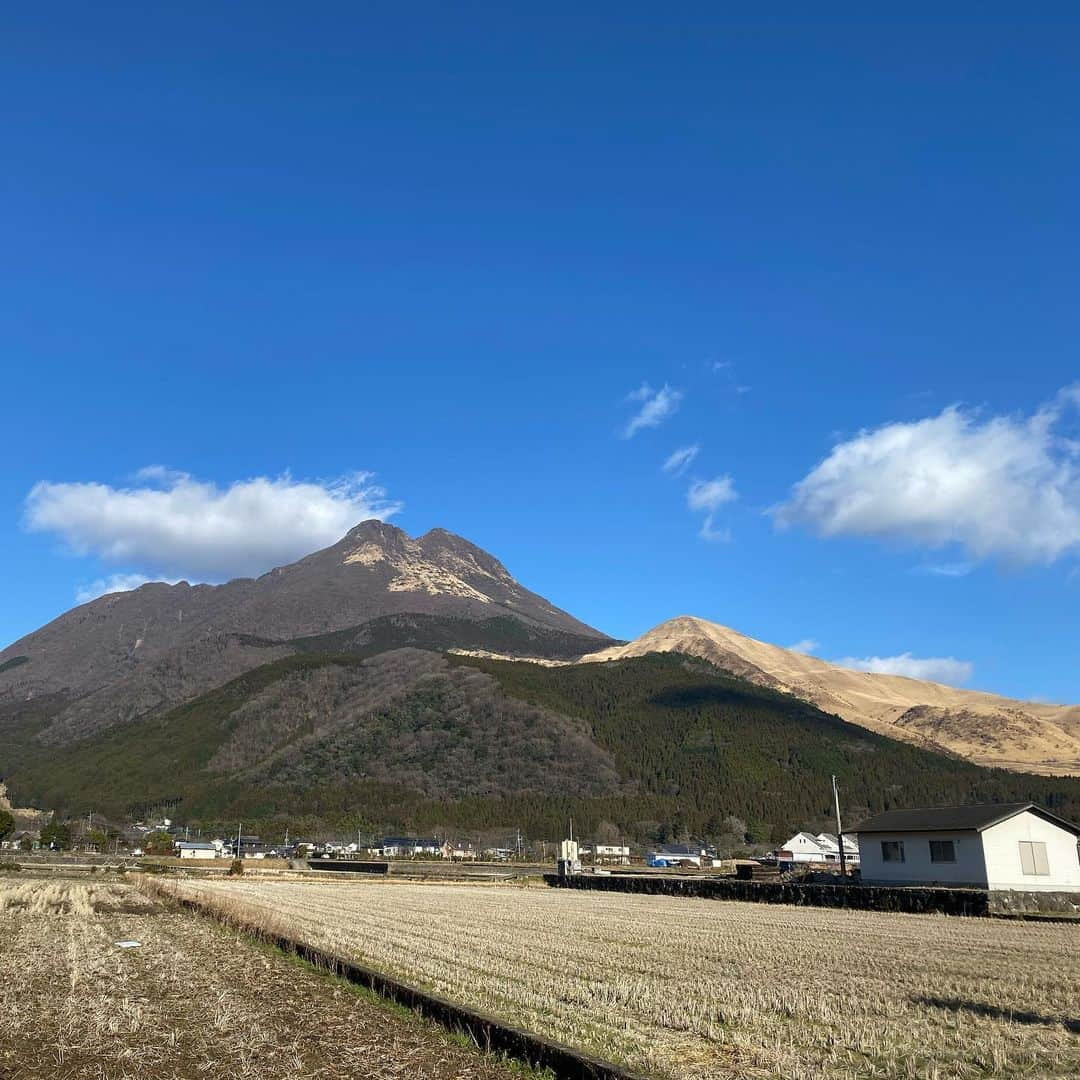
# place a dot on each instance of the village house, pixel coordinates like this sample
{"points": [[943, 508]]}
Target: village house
{"points": [[457, 850], [396, 847], [806, 847], [1002, 846], [673, 855], [612, 854], [195, 850]]}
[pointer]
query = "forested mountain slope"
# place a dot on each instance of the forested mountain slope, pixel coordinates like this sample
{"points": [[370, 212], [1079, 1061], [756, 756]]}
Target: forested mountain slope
{"points": [[654, 745]]}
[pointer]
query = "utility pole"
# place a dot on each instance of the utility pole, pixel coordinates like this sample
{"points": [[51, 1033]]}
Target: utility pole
{"points": [[839, 831], [239, 830]]}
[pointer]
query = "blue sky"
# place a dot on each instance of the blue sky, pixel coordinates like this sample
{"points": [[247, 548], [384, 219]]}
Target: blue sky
{"points": [[458, 249]]}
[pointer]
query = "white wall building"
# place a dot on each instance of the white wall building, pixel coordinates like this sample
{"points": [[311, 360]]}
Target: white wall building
{"points": [[805, 847], [196, 850], [1001, 846], [618, 854]]}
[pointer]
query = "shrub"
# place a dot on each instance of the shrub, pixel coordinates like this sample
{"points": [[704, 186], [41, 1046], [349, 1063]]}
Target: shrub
{"points": [[236, 868]]}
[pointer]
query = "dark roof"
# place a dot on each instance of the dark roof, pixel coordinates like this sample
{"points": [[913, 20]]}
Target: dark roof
{"points": [[676, 849], [955, 818]]}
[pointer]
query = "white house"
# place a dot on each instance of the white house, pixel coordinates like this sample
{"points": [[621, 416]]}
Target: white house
{"points": [[806, 847], [405, 846], [612, 853], [195, 850], [1001, 846]]}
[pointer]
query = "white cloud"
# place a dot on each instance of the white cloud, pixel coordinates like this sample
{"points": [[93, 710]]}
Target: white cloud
{"points": [[940, 669], [159, 474], [710, 532], [656, 407], [114, 583], [172, 525], [949, 570], [807, 645], [679, 461], [1001, 486], [708, 496]]}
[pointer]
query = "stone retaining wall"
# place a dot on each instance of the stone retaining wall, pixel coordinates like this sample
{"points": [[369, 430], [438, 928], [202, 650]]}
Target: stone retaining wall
{"points": [[1015, 902], [864, 897]]}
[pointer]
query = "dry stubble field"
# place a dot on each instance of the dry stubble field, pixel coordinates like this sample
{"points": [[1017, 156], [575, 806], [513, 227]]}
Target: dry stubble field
{"points": [[699, 988], [193, 1000]]}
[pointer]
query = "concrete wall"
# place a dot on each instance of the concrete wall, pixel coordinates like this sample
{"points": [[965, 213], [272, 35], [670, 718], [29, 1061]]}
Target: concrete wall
{"points": [[1004, 871], [917, 869]]}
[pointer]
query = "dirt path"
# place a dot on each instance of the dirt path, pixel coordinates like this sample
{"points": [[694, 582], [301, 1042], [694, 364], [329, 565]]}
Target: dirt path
{"points": [[192, 1000]]}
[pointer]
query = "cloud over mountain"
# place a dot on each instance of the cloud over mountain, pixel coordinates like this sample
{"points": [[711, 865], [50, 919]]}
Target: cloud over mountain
{"points": [[114, 583], [169, 524], [939, 669]]}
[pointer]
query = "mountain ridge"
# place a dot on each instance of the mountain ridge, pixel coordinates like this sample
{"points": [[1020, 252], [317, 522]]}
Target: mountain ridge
{"points": [[986, 728]]}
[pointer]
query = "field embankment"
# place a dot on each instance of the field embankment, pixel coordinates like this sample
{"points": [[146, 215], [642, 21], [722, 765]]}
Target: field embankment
{"points": [[690, 989]]}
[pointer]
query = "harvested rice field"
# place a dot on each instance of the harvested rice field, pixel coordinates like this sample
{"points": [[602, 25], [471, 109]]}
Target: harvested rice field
{"points": [[191, 999], [698, 988]]}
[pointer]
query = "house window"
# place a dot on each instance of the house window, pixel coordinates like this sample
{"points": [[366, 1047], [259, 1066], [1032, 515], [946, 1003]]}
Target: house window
{"points": [[942, 851], [1033, 858], [892, 850]]}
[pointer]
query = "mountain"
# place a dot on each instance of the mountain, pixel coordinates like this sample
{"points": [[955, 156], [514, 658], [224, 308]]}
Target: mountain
{"points": [[132, 654], [648, 747], [984, 728], [356, 688]]}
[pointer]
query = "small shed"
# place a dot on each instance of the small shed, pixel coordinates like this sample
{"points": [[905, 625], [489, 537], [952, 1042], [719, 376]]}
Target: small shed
{"points": [[1017, 846]]}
